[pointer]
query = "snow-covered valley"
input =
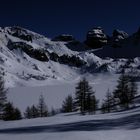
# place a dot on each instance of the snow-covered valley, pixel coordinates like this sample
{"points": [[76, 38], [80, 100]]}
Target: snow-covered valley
{"points": [[55, 94], [34, 65]]}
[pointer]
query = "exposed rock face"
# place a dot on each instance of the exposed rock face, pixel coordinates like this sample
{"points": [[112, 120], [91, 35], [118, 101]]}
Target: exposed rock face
{"points": [[118, 37], [71, 42], [29, 50], [136, 38], [69, 60], [121, 46], [21, 33], [64, 37], [96, 38], [41, 55]]}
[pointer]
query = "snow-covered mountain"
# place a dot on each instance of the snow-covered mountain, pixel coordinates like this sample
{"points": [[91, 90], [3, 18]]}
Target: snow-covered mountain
{"points": [[33, 64], [28, 58]]}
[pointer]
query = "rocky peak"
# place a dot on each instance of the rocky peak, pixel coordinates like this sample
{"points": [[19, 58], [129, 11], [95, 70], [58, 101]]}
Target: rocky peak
{"points": [[119, 35], [97, 32], [96, 38]]}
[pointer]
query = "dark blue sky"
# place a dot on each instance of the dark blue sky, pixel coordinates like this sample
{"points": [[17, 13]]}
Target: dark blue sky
{"points": [[54, 17]]}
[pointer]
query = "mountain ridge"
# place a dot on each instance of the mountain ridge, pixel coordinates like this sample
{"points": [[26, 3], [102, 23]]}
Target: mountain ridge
{"points": [[28, 57]]}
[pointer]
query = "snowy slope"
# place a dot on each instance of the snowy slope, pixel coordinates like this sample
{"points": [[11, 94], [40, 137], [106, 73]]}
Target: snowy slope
{"points": [[113, 126], [20, 67], [30, 59]]}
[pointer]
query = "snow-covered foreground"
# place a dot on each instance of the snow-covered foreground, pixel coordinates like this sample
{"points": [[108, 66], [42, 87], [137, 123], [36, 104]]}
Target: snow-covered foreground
{"points": [[113, 126]]}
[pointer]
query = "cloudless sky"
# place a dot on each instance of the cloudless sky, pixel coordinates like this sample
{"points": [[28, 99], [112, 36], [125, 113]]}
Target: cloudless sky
{"points": [[76, 17]]}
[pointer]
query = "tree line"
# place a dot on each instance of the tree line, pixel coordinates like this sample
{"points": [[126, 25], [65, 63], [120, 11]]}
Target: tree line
{"points": [[122, 97], [84, 101]]}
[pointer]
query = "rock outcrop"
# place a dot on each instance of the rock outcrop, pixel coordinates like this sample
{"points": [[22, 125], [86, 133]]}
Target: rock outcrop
{"points": [[64, 37], [117, 38], [96, 38]]}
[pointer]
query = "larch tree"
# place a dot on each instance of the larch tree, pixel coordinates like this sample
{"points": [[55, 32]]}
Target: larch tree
{"points": [[11, 113], [125, 91], [85, 99], [42, 107], [108, 104], [68, 104]]}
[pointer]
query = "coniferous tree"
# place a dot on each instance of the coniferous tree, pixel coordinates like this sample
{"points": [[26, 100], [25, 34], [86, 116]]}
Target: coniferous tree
{"points": [[17, 114], [103, 107], [133, 89], [122, 90], [68, 104], [42, 107], [8, 112], [125, 91], [108, 101], [27, 113], [53, 112], [40, 110], [3, 97], [31, 112], [108, 104], [85, 99], [11, 113], [34, 111], [80, 97], [91, 102]]}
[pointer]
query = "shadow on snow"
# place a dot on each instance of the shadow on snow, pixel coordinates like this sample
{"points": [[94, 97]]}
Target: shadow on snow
{"points": [[129, 122]]}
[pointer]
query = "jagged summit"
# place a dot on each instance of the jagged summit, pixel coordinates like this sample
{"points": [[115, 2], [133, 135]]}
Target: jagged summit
{"points": [[121, 45], [119, 35], [96, 38]]}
